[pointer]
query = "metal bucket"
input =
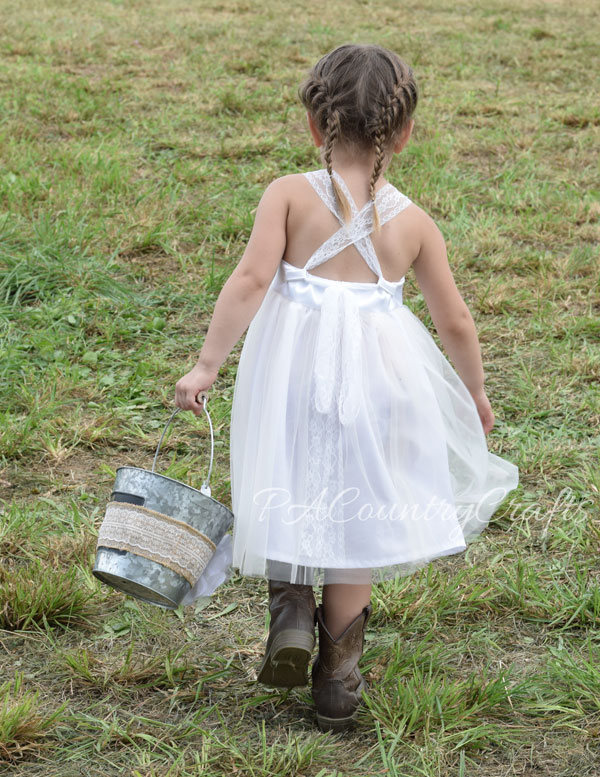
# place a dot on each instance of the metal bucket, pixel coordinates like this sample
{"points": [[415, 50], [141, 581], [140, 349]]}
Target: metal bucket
{"points": [[158, 534]]}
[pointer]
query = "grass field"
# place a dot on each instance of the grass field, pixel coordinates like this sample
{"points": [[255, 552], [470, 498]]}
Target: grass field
{"points": [[136, 139]]}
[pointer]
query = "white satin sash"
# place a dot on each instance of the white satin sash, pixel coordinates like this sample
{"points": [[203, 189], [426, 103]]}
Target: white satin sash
{"points": [[339, 330]]}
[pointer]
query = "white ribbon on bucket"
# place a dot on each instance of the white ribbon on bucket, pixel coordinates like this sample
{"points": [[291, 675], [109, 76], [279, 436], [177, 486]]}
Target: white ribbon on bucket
{"points": [[217, 571]]}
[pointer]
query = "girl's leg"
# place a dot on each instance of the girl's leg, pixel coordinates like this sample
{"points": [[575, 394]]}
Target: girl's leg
{"points": [[291, 629], [343, 602]]}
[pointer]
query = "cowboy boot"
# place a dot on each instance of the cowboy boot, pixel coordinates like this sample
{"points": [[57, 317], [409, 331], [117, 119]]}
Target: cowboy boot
{"points": [[337, 683], [291, 635]]}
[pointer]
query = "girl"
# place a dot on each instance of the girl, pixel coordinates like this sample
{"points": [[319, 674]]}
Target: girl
{"points": [[357, 452]]}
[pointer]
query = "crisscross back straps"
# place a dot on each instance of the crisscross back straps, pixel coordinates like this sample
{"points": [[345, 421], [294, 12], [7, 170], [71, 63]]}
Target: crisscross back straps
{"points": [[389, 202]]}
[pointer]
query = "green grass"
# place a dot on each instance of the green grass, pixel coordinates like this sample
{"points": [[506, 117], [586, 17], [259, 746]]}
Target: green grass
{"points": [[135, 142], [24, 729]]}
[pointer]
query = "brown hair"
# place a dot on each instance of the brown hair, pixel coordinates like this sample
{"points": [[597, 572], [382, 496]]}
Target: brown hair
{"points": [[362, 95]]}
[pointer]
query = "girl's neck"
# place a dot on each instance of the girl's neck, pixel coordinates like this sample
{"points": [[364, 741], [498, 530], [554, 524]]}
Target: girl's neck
{"points": [[356, 170]]}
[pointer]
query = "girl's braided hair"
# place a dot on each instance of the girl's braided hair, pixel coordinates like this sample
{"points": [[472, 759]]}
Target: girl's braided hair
{"points": [[361, 95]]}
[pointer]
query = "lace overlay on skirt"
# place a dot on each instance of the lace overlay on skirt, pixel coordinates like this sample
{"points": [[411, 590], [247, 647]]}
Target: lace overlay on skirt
{"points": [[322, 533]]}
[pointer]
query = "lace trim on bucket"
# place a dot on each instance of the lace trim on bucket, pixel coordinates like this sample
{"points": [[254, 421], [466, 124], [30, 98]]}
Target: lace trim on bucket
{"points": [[158, 537]]}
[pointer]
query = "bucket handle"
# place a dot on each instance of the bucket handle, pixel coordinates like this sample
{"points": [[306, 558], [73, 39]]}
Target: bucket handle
{"points": [[205, 487]]}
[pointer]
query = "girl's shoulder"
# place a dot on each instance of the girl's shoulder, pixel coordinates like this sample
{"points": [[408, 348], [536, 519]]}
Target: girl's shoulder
{"points": [[290, 183], [295, 187], [290, 190]]}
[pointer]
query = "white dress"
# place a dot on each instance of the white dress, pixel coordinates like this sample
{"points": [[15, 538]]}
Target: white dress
{"points": [[357, 453]]}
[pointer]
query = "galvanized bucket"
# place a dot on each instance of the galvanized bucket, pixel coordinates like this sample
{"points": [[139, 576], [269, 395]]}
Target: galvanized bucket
{"points": [[158, 534]]}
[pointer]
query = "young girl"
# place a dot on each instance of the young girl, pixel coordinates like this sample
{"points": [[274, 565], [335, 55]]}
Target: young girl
{"points": [[357, 452]]}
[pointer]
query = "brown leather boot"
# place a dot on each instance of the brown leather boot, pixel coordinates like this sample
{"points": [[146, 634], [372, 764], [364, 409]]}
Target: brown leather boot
{"points": [[291, 635], [337, 683]]}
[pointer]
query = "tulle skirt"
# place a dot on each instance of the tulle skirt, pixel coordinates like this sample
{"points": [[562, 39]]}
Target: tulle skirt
{"points": [[357, 459]]}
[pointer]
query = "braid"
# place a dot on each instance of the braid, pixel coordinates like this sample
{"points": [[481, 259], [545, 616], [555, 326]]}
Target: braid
{"points": [[398, 105], [315, 95], [379, 144], [332, 134], [362, 96]]}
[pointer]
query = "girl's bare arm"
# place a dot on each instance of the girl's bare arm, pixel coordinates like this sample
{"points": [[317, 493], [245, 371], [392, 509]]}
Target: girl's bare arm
{"points": [[241, 295], [450, 315]]}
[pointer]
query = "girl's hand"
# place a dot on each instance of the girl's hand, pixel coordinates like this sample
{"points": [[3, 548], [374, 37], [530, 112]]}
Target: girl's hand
{"points": [[485, 410], [199, 379]]}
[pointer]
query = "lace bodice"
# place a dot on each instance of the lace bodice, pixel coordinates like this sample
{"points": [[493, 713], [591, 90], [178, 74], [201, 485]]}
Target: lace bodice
{"points": [[389, 203]]}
